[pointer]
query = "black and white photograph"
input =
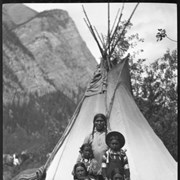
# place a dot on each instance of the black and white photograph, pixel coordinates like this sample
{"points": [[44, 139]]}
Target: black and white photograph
{"points": [[90, 91]]}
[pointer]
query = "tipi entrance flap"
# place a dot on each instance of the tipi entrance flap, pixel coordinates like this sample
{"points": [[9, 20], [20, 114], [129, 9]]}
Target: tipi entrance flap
{"points": [[98, 84], [118, 75]]}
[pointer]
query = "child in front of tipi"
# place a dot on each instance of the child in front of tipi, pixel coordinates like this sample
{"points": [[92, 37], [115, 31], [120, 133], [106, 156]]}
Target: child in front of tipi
{"points": [[86, 156], [115, 157]]}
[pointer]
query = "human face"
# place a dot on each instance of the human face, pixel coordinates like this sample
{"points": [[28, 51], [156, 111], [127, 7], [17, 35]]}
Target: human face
{"points": [[117, 177], [99, 124], [80, 172], [86, 152], [114, 145]]}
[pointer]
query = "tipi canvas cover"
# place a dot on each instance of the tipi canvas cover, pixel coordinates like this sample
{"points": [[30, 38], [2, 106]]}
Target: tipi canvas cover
{"points": [[110, 93]]}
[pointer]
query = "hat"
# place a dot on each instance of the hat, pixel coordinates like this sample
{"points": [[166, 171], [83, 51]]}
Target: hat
{"points": [[117, 135]]}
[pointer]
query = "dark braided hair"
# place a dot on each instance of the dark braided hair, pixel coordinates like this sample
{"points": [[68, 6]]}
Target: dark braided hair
{"points": [[81, 164], [87, 145], [105, 120]]}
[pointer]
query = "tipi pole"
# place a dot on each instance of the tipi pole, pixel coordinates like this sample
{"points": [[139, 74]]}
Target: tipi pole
{"points": [[93, 34], [108, 24], [115, 21], [113, 34], [92, 31], [99, 37], [123, 29], [108, 38]]}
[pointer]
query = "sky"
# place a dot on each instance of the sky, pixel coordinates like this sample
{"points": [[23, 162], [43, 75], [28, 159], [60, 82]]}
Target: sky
{"points": [[147, 19]]}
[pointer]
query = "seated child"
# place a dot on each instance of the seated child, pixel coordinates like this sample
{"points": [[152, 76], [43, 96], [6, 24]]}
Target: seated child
{"points": [[86, 156], [115, 157], [80, 172]]}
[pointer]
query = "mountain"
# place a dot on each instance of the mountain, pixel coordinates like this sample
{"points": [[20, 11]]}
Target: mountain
{"points": [[46, 68], [16, 14]]}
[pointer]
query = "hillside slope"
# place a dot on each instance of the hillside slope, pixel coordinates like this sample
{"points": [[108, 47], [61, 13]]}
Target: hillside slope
{"points": [[46, 68]]}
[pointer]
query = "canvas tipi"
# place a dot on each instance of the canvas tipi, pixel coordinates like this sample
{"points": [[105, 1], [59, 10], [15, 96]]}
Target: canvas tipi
{"points": [[109, 92]]}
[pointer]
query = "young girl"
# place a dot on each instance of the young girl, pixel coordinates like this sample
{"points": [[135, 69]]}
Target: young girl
{"points": [[86, 156], [115, 157]]}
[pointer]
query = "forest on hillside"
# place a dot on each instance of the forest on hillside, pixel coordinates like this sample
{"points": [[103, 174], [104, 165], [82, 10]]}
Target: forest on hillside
{"points": [[155, 91], [154, 85]]}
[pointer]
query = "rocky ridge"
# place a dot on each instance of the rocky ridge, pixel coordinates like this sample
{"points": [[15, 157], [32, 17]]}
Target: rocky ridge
{"points": [[46, 68]]}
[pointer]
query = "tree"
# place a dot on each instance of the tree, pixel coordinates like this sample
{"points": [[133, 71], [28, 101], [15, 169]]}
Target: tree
{"points": [[162, 34], [154, 87], [155, 91]]}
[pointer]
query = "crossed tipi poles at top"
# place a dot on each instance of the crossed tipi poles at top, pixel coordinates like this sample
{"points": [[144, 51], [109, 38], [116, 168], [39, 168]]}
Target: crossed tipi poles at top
{"points": [[108, 45], [106, 48]]}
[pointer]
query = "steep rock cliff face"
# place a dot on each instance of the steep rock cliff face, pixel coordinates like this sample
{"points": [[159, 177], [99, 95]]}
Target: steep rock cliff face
{"points": [[46, 68], [60, 52], [15, 14], [58, 58]]}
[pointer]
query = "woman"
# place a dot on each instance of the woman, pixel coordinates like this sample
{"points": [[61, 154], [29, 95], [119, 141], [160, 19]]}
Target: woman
{"points": [[80, 172], [97, 139]]}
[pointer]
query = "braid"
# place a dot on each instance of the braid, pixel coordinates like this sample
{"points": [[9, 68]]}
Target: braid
{"points": [[106, 130], [87, 145], [93, 132], [106, 127], [105, 120]]}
